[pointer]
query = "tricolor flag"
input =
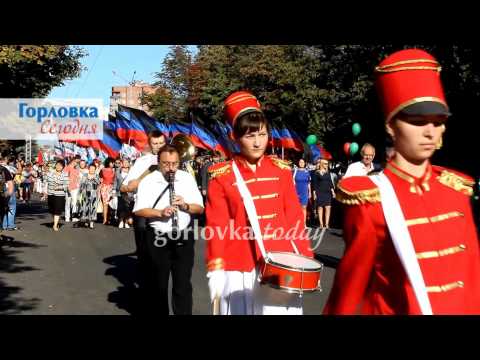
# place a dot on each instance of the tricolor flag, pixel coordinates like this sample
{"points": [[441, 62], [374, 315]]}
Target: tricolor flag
{"points": [[130, 130], [224, 138]]}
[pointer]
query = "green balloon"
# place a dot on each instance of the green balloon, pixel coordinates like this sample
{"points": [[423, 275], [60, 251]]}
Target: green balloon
{"points": [[353, 148], [356, 129], [311, 139]]}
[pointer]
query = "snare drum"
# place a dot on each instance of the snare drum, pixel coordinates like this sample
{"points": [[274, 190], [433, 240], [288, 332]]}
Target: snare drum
{"points": [[291, 272]]}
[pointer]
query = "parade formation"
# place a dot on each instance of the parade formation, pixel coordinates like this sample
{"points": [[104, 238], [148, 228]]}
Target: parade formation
{"points": [[409, 234]]}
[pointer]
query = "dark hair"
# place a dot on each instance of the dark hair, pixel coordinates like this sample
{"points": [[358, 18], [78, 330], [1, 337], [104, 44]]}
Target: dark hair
{"points": [[169, 149], [91, 165], [77, 157], [249, 123], [108, 161], [59, 162], [155, 134]]}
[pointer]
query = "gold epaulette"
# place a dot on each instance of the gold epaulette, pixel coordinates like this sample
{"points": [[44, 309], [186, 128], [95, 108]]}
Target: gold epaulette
{"points": [[351, 192], [457, 182], [282, 164], [218, 170]]}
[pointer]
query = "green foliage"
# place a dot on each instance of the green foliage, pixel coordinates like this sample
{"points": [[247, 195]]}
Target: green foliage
{"points": [[33, 70], [171, 100], [313, 89], [316, 89]]}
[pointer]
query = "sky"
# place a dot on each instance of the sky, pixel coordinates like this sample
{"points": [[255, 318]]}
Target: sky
{"points": [[97, 80]]}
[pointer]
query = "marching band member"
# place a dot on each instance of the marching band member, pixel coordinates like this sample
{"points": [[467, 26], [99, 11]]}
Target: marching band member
{"points": [[171, 253], [156, 140], [232, 258], [411, 243]]}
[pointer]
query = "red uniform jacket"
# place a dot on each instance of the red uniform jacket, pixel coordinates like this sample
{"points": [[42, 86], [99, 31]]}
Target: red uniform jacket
{"points": [[370, 278], [279, 211]]}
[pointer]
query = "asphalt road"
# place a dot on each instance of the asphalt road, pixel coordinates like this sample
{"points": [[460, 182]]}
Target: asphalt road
{"points": [[79, 271]]}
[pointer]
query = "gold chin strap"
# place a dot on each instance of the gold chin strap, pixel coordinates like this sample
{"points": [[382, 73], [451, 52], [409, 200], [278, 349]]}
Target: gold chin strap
{"points": [[440, 143]]}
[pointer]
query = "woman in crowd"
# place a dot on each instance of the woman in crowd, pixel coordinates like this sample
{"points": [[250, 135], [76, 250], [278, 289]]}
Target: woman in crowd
{"points": [[27, 184], [18, 180], [88, 197], [125, 200], [107, 177], [83, 168], [323, 192], [57, 187], [301, 179], [45, 171], [98, 166], [38, 188]]}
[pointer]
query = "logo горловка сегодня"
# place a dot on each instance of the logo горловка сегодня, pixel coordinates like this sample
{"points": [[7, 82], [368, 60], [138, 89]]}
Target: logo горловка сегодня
{"points": [[52, 119]]}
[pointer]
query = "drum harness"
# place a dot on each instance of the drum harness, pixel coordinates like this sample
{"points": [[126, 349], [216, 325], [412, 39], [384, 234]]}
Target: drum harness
{"points": [[252, 212]]}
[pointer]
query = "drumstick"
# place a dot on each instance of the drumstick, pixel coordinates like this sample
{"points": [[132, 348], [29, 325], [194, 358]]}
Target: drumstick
{"points": [[216, 306]]}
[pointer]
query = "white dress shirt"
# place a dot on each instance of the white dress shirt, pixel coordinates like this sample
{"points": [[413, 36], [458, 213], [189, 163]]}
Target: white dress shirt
{"points": [[140, 166], [152, 186], [358, 169]]}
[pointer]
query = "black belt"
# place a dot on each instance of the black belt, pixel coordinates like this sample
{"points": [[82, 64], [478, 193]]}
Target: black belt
{"points": [[181, 236]]}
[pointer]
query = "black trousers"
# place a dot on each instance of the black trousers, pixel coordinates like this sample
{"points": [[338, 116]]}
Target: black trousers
{"points": [[175, 257], [145, 270]]}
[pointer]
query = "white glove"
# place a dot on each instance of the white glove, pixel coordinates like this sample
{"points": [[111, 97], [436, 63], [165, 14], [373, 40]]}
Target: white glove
{"points": [[216, 283]]}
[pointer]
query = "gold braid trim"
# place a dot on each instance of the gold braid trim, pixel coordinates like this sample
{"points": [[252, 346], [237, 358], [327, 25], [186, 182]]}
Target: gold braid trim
{"points": [[446, 287], [282, 164], [220, 171], [456, 182], [371, 196]]}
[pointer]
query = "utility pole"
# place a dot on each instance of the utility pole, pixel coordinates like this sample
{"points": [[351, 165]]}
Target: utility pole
{"points": [[28, 148]]}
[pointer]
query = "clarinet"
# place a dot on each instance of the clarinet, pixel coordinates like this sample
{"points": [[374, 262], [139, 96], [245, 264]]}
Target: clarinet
{"points": [[171, 179]]}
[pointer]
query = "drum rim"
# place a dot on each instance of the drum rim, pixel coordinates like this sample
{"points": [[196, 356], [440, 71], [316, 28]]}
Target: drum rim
{"points": [[287, 267], [292, 290]]}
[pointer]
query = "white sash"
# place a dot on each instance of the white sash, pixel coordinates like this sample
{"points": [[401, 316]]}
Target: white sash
{"points": [[250, 208], [402, 241], [252, 211]]}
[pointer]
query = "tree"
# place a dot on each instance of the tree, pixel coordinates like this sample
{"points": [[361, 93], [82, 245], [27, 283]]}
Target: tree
{"points": [[33, 70], [171, 102], [274, 73], [320, 89]]}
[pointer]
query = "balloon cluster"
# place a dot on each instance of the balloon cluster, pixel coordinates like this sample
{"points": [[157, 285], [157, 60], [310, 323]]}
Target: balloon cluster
{"points": [[351, 149]]}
